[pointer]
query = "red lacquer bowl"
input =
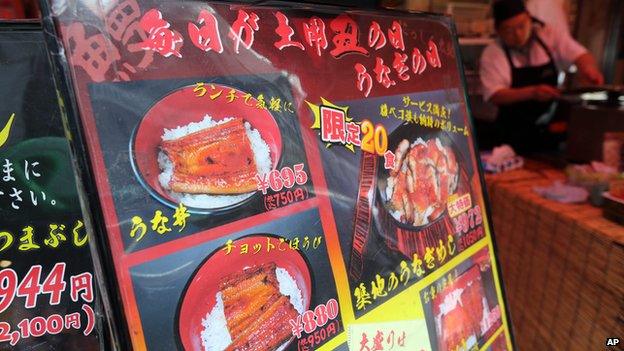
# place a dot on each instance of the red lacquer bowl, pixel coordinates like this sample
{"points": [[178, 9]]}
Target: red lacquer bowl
{"points": [[182, 107], [199, 296]]}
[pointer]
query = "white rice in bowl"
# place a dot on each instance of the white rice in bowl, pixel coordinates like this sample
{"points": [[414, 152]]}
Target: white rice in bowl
{"points": [[216, 336], [262, 156]]}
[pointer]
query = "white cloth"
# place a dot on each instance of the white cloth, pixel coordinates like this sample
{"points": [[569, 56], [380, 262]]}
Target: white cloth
{"points": [[551, 12], [494, 67]]}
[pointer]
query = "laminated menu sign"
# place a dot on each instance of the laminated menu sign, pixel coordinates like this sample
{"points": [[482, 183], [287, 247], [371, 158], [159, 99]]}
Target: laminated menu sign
{"points": [[280, 176], [47, 296]]}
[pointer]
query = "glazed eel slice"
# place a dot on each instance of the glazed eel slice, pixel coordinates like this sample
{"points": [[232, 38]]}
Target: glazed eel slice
{"points": [[257, 314], [269, 329], [215, 160]]}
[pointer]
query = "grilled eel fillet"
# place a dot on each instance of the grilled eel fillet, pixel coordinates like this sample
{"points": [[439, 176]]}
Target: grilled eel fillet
{"points": [[216, 160], [257, 314]]}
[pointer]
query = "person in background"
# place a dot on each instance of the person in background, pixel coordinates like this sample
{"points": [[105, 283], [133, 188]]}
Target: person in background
{"points": [[519, 73]]}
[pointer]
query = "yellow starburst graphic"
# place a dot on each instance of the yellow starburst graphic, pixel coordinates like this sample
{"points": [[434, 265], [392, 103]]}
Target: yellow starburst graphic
{"points": [[316, 111]]}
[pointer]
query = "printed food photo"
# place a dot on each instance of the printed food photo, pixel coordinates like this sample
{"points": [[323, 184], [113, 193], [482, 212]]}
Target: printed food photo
{"points": [[212, 163], [241, 302], [424, 176], [412, 197], [252, 310], [202, 153]]}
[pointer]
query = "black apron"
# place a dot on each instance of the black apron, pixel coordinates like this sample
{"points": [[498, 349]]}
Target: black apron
{"points": [[516, 122]]}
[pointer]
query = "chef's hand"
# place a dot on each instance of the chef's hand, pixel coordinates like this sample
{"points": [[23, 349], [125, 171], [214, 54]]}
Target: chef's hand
{"points": [[588, 70], [591, 76], [544, 92]]}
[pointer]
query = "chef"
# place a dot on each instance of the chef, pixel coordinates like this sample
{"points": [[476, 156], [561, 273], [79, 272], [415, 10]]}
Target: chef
{"points": [[520, 70]]}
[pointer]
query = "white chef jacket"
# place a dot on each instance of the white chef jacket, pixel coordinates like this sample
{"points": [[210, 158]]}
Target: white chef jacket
{"points": [[494, 68], [551, 12]]}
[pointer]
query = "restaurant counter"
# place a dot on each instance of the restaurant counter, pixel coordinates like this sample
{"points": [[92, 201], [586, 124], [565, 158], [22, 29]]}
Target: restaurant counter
{"points": [[562, 264]]}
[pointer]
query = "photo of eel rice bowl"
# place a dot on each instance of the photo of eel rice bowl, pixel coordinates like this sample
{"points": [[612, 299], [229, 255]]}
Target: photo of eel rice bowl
{"points": [[212, 163], [252, 311], [425, 174]]}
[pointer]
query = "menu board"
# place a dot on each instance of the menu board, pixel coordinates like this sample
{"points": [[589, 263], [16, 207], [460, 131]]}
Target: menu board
{"points": [[280, 176], [47, 296]]}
